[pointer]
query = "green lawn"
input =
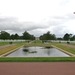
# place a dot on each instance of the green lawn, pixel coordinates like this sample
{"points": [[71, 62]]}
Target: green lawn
{"points": [[36, 59], [69, 49], [3, 43], [72, 43], [37, 41], [9, 48]]}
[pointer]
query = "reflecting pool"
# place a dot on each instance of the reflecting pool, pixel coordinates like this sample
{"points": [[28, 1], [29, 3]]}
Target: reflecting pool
{"points": [[37, 51]]}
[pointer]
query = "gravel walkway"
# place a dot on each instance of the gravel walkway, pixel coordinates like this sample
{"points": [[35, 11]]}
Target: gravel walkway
{"points": [[37, 68], [6, 45], [68, 45]]}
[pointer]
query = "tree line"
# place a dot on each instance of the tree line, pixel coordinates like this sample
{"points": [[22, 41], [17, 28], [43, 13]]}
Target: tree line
{"points": [[49, 36], [27, 36]]}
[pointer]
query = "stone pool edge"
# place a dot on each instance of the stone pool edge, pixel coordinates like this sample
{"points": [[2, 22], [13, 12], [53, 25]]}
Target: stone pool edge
{"points": [[7, 53], [63, 51]]}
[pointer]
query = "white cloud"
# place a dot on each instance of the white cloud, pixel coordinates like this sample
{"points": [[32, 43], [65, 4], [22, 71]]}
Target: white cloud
{"points": [[37, 16]]}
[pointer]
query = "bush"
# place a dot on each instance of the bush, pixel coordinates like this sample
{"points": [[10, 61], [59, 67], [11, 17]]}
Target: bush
{"points": [[10, 42]]}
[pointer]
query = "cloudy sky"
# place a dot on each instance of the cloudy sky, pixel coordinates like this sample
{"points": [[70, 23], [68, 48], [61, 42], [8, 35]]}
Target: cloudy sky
{"points": [[37, 16]]}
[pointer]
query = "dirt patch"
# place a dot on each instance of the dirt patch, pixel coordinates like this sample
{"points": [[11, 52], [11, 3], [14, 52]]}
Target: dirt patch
{"points": [[37, 68]]}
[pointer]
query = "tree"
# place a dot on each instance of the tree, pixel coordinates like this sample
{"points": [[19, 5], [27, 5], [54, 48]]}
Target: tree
{"points": [[47, 36], [67, 36], [32, 37], [28, 36], [72, 38], [4, 35], [59, 38], [53, 37], [12, 37], [16, 36]]}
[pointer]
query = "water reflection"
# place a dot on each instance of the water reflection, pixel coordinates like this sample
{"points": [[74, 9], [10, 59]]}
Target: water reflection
{"points": [[48, 47], [26, 50], [48, 52]]}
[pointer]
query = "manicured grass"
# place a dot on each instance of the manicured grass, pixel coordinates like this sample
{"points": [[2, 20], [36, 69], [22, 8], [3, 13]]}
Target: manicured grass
{"points": [[37, 59], [9, 48], [3, 43], [37, 41], [72, 44], [69, 49]]}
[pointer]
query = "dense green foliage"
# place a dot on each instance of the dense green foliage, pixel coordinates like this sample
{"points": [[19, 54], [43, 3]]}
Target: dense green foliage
{"points": [[14, 36], [48, 36], [68, 37], [4, 35], [26, 36]]}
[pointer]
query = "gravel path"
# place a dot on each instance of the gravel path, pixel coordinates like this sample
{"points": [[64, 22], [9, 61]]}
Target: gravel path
{"points": [[6, 45], [37, 68], [72, 46]]}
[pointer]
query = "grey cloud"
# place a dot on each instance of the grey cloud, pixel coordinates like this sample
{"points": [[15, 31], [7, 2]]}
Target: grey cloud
{"points": [[59, 30], [55, 24], [64, 2], [38, 32], [59, 20], [12, 25], [69, 16], [32, 26]]}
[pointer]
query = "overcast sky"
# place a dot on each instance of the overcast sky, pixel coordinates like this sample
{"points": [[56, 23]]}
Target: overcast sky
{"points": [[37, 16]]}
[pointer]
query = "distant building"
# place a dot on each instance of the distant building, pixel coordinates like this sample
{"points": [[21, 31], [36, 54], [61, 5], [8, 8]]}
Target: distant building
{"points": [[36, 38]]}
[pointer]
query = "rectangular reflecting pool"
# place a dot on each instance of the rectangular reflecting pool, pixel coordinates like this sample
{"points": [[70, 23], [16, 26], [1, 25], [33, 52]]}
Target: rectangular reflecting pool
{"points": [[37, 51]]}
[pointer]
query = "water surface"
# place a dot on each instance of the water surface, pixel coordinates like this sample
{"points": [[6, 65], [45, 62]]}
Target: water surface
{"points": [[37, 51]]}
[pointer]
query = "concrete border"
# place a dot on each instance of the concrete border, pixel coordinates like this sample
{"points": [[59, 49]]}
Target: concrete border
{"points": [[63, 51], [7, 53]]}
